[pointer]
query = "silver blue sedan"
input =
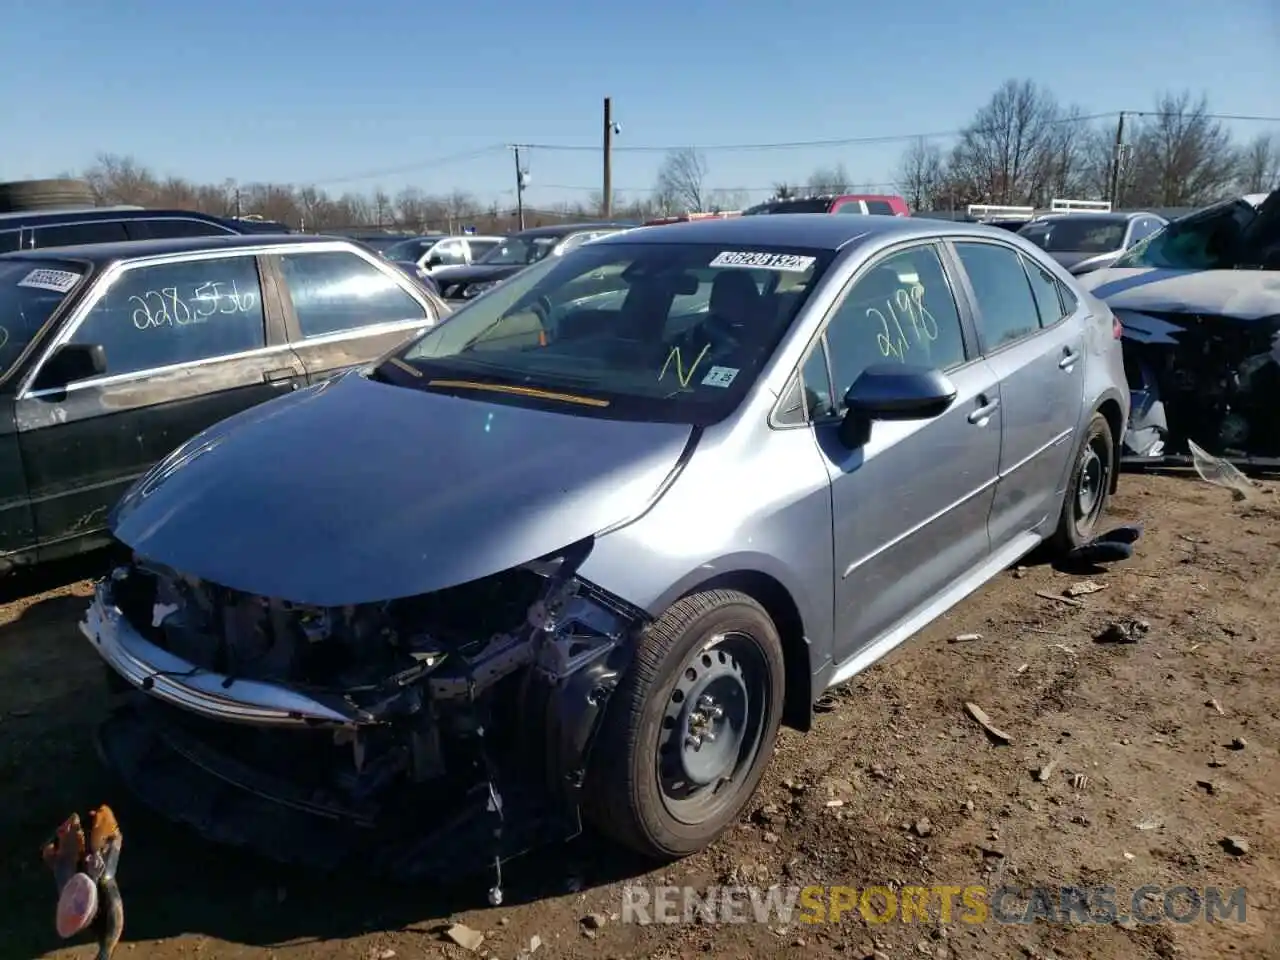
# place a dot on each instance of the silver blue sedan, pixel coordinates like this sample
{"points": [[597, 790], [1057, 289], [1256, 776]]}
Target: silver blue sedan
{"points": [[588, 544]]}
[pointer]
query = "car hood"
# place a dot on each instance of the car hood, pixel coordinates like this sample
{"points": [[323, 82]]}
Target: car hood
{"points": [[356, 491], [1239, 294], [447, 276], [1069, 258], [1093, 262]]}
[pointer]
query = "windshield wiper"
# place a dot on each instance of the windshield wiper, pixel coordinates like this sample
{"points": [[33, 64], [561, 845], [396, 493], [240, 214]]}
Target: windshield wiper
{"points": [[513, 389]]}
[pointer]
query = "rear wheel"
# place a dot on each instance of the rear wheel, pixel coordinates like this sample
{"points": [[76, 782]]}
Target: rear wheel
{"points": [[687, 735], [1089, 487]]}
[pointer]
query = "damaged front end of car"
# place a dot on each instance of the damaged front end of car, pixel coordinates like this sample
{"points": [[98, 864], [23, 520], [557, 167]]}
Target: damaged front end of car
{"points": [[1202, 379], [416, 737]]}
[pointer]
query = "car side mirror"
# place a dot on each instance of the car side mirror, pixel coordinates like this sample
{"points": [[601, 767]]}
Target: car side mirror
{"points": [[72, 362], [893, 392], [435, 260]]}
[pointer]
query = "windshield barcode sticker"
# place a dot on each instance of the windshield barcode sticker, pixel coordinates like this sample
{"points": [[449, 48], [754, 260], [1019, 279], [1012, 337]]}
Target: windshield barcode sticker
{"points": [[784, 262], [59, 281], [719, 376]]}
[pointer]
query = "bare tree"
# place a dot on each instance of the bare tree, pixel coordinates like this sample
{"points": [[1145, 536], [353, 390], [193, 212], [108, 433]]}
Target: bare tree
{"points": [[1181, 155], [828, 180], [116, 179], [722, 201], [920, 174], [1003, 153], [681, 181], [1258, 166]]}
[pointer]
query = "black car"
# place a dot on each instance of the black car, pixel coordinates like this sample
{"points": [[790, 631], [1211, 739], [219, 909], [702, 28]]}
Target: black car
{"points": [[33, 229], [111, 355], [514, 254]]}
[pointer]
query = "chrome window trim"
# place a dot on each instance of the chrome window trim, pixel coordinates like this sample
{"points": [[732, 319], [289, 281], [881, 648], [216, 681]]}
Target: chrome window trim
{"points": [[104, 280]]}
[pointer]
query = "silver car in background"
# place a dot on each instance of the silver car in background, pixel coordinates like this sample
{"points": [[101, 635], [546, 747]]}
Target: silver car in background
{"points": [[585, 546]]}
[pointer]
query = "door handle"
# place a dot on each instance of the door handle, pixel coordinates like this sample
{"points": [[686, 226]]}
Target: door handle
{"points": [[1069, 358], [980, 416], [281, 375]]}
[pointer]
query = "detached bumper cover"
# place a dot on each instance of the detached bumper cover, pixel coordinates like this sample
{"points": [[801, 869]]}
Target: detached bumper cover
{"points": [[207, 693]]}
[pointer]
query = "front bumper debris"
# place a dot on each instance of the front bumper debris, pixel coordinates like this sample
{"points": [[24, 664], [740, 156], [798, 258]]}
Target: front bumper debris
{"points": [[472, 752], [183, 684]]}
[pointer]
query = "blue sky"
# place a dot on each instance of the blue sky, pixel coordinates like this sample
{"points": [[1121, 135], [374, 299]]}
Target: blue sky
{"points": [[426, 94]]}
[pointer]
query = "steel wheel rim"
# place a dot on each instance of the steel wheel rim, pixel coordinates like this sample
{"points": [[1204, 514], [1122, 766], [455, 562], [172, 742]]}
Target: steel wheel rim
{"points": [[712, 726], [1093, 474]]}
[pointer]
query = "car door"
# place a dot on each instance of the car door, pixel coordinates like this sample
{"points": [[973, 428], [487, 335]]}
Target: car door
{"points": [[910, 507], [343, 308], [1036, 348], [188, 342], [447, 253]]}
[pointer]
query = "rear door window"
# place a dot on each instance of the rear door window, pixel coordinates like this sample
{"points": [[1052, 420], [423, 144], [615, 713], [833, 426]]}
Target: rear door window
{"points": [[850, 206], [880, 208], [1044, 288], [337, 290], [1006, 308], [72, 234], [10, 240], [172, 313]]}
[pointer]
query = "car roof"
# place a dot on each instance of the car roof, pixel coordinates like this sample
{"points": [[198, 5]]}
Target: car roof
{"points": [[78, 214], [1118, 216], [136, 249], [563, 229], [812, 230]]}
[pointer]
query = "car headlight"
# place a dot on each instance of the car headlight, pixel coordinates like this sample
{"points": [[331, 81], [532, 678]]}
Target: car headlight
{"points": [[475, 289]]}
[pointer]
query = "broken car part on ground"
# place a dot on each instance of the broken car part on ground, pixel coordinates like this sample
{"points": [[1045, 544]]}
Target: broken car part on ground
{"points": [[1200, 307]]}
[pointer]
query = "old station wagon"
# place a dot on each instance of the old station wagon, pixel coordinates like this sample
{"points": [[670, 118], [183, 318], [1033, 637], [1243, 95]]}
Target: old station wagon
{"points": [[113, 354]]}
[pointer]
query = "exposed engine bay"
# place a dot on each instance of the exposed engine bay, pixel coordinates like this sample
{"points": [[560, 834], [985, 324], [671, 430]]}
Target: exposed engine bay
{"points": [[1211, 380], [413, 733]]}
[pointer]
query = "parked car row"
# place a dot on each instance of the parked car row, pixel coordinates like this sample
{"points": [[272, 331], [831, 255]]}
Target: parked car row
{"points": [[577, 551]]}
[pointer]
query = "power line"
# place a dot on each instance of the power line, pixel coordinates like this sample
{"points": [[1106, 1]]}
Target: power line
{"points": [[797, 144], [414, 166]]}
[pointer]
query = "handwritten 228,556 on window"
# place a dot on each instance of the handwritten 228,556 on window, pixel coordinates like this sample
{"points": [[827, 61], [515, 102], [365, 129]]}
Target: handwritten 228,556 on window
{"points": [[167, 306]]}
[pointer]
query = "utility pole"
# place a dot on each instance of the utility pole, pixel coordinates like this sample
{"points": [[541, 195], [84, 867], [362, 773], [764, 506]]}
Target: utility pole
{"points": [[520, 178], [608, 159], [1115, 162]]}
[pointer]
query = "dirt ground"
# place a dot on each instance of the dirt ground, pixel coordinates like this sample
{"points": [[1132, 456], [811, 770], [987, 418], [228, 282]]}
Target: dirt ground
{"points": [[1160, 749]]}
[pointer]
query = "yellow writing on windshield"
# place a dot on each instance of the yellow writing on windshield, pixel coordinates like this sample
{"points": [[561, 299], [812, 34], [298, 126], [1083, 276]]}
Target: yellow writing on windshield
{"points": [[518, 391], [682, 377], [407, 368]]}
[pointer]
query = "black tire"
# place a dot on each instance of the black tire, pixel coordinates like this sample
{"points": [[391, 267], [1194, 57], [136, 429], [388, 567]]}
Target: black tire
{"points": [[1088, 489], [630, 794], [20, 195]]}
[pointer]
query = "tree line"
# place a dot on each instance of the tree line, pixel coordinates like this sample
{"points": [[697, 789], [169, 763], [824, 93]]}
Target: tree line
{"points": [[1022, 147]]}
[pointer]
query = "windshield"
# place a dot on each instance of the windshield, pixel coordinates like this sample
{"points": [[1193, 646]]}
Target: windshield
{"points": [[410, 250], [520, 250], [30, 291], [671, 332], [1077, 234], [1208, 240]]}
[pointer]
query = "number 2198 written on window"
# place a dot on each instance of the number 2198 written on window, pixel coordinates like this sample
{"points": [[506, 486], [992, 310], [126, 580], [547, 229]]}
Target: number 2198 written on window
{"points": [[177, 313]]}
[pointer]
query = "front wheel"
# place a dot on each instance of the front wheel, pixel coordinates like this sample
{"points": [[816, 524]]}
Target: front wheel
{"points": [[688, 733], [1088, 489]]}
